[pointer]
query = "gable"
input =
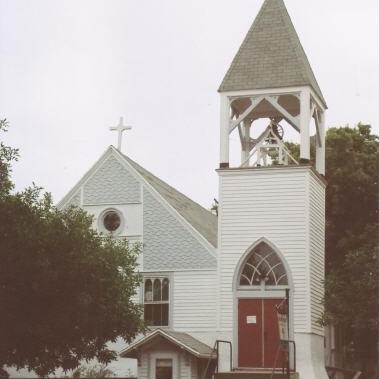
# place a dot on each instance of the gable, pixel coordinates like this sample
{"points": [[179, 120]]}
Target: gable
{"points": [[75, 200], [168, 339], [168, 244], [111, 184], [174, 228]]}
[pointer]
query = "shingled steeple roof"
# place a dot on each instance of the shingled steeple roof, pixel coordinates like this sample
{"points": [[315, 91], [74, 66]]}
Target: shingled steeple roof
{"points": [[271, 56]]}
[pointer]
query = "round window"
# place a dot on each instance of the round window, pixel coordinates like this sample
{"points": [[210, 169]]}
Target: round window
{"points": [[111, 221]]}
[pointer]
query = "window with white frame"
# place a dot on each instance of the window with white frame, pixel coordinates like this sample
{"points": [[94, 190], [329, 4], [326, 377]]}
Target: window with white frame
{"points": [[263, 265], [156, 301]]}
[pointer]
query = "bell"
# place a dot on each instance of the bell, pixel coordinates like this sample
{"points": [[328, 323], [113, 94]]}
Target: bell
{"points": [[277, 130]]}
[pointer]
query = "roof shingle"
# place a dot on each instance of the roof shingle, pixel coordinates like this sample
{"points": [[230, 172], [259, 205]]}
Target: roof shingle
{"points": [[198, 217], [183, 340], [271, 55]]}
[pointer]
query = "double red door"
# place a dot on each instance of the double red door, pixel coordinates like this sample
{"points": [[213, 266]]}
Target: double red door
{"points": [[258, 333]]}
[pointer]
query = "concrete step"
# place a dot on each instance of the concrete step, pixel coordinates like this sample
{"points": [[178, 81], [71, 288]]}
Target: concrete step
{"points": [[255, 374]]}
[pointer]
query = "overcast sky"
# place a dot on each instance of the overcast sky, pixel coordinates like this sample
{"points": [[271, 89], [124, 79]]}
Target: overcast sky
{"points": [[69, 69]]}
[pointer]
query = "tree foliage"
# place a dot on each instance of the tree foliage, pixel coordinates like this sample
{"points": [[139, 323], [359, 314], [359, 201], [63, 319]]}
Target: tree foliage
{"points": [[352, 232], [352, 156], [7, 156], [352, 263], [65, 290], [96, 371], [355, 282]]}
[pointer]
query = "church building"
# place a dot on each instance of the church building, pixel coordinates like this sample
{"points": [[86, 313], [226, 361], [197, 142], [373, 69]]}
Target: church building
{"points": [[241, 292]]}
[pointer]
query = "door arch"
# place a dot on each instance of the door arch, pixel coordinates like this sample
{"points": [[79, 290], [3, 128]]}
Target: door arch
{"points": [[261, 279]]}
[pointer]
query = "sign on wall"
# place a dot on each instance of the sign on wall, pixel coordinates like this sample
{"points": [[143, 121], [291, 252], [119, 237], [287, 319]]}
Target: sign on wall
{"points": [[251, 319]]}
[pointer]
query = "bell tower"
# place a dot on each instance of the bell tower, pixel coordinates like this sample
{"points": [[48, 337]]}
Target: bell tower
{"points": [[270, 77], [271, 203]]}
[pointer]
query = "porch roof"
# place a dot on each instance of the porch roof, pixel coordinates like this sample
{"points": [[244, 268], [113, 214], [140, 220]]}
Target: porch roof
{"points": [[180, 339]]}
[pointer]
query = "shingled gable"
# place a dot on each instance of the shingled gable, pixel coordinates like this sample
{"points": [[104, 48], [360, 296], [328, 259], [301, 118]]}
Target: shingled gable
{"points": [[198, 217], [180, 339], [202, 220], [271, 55]]}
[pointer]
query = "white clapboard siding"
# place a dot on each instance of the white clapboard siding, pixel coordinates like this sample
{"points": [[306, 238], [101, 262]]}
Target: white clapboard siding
{"points": [[317, 248], [194, 368], [271, 204], [194, 300], [184, 366], [143, 366]]}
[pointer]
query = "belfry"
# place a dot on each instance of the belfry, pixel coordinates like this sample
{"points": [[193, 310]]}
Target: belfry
{"points": [[271, 204]]}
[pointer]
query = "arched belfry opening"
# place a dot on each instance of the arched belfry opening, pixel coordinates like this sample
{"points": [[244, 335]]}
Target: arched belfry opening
{"points": [[262, 129], [270, 81], [263, 267], [264, 120]]}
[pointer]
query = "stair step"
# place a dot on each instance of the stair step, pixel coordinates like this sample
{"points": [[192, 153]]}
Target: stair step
{"points": [[255, 374]]}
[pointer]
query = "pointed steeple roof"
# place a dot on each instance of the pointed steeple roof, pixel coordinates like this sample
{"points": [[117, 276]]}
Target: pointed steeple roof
{"points": [[271, 56]]}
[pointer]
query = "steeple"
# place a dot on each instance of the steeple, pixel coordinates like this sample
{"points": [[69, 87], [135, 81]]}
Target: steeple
{"points": [[271, 78], [272, 201], [271, 56]]}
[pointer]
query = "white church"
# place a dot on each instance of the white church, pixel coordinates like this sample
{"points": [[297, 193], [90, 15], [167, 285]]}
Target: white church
{"points": [[221, 281]]}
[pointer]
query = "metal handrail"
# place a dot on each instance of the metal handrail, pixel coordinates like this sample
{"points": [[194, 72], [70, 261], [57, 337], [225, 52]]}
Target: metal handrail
{"points": [[294, 354], [286, 348], [216, 349], [230, 354]]}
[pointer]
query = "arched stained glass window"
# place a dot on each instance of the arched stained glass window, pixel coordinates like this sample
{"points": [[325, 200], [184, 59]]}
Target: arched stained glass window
{"points": [[165, 283], [263, 265], [148, 290], [157, 294]]}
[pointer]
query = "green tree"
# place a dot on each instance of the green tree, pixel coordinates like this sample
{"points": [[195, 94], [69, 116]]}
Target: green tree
{"points": [[65, 290], [352, 275], [351, 304], [352, 156], [351, 286], [7, 156], [96, 371]]}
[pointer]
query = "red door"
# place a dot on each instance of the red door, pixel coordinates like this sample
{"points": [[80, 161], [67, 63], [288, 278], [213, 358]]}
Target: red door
{"points": [[258, 333]]}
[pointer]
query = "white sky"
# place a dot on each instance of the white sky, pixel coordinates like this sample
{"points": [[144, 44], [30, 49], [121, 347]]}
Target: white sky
{"points": [[69, 69]]}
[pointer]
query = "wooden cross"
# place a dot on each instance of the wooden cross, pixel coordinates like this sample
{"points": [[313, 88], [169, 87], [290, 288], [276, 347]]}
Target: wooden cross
{"points": [[120, 128]]}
